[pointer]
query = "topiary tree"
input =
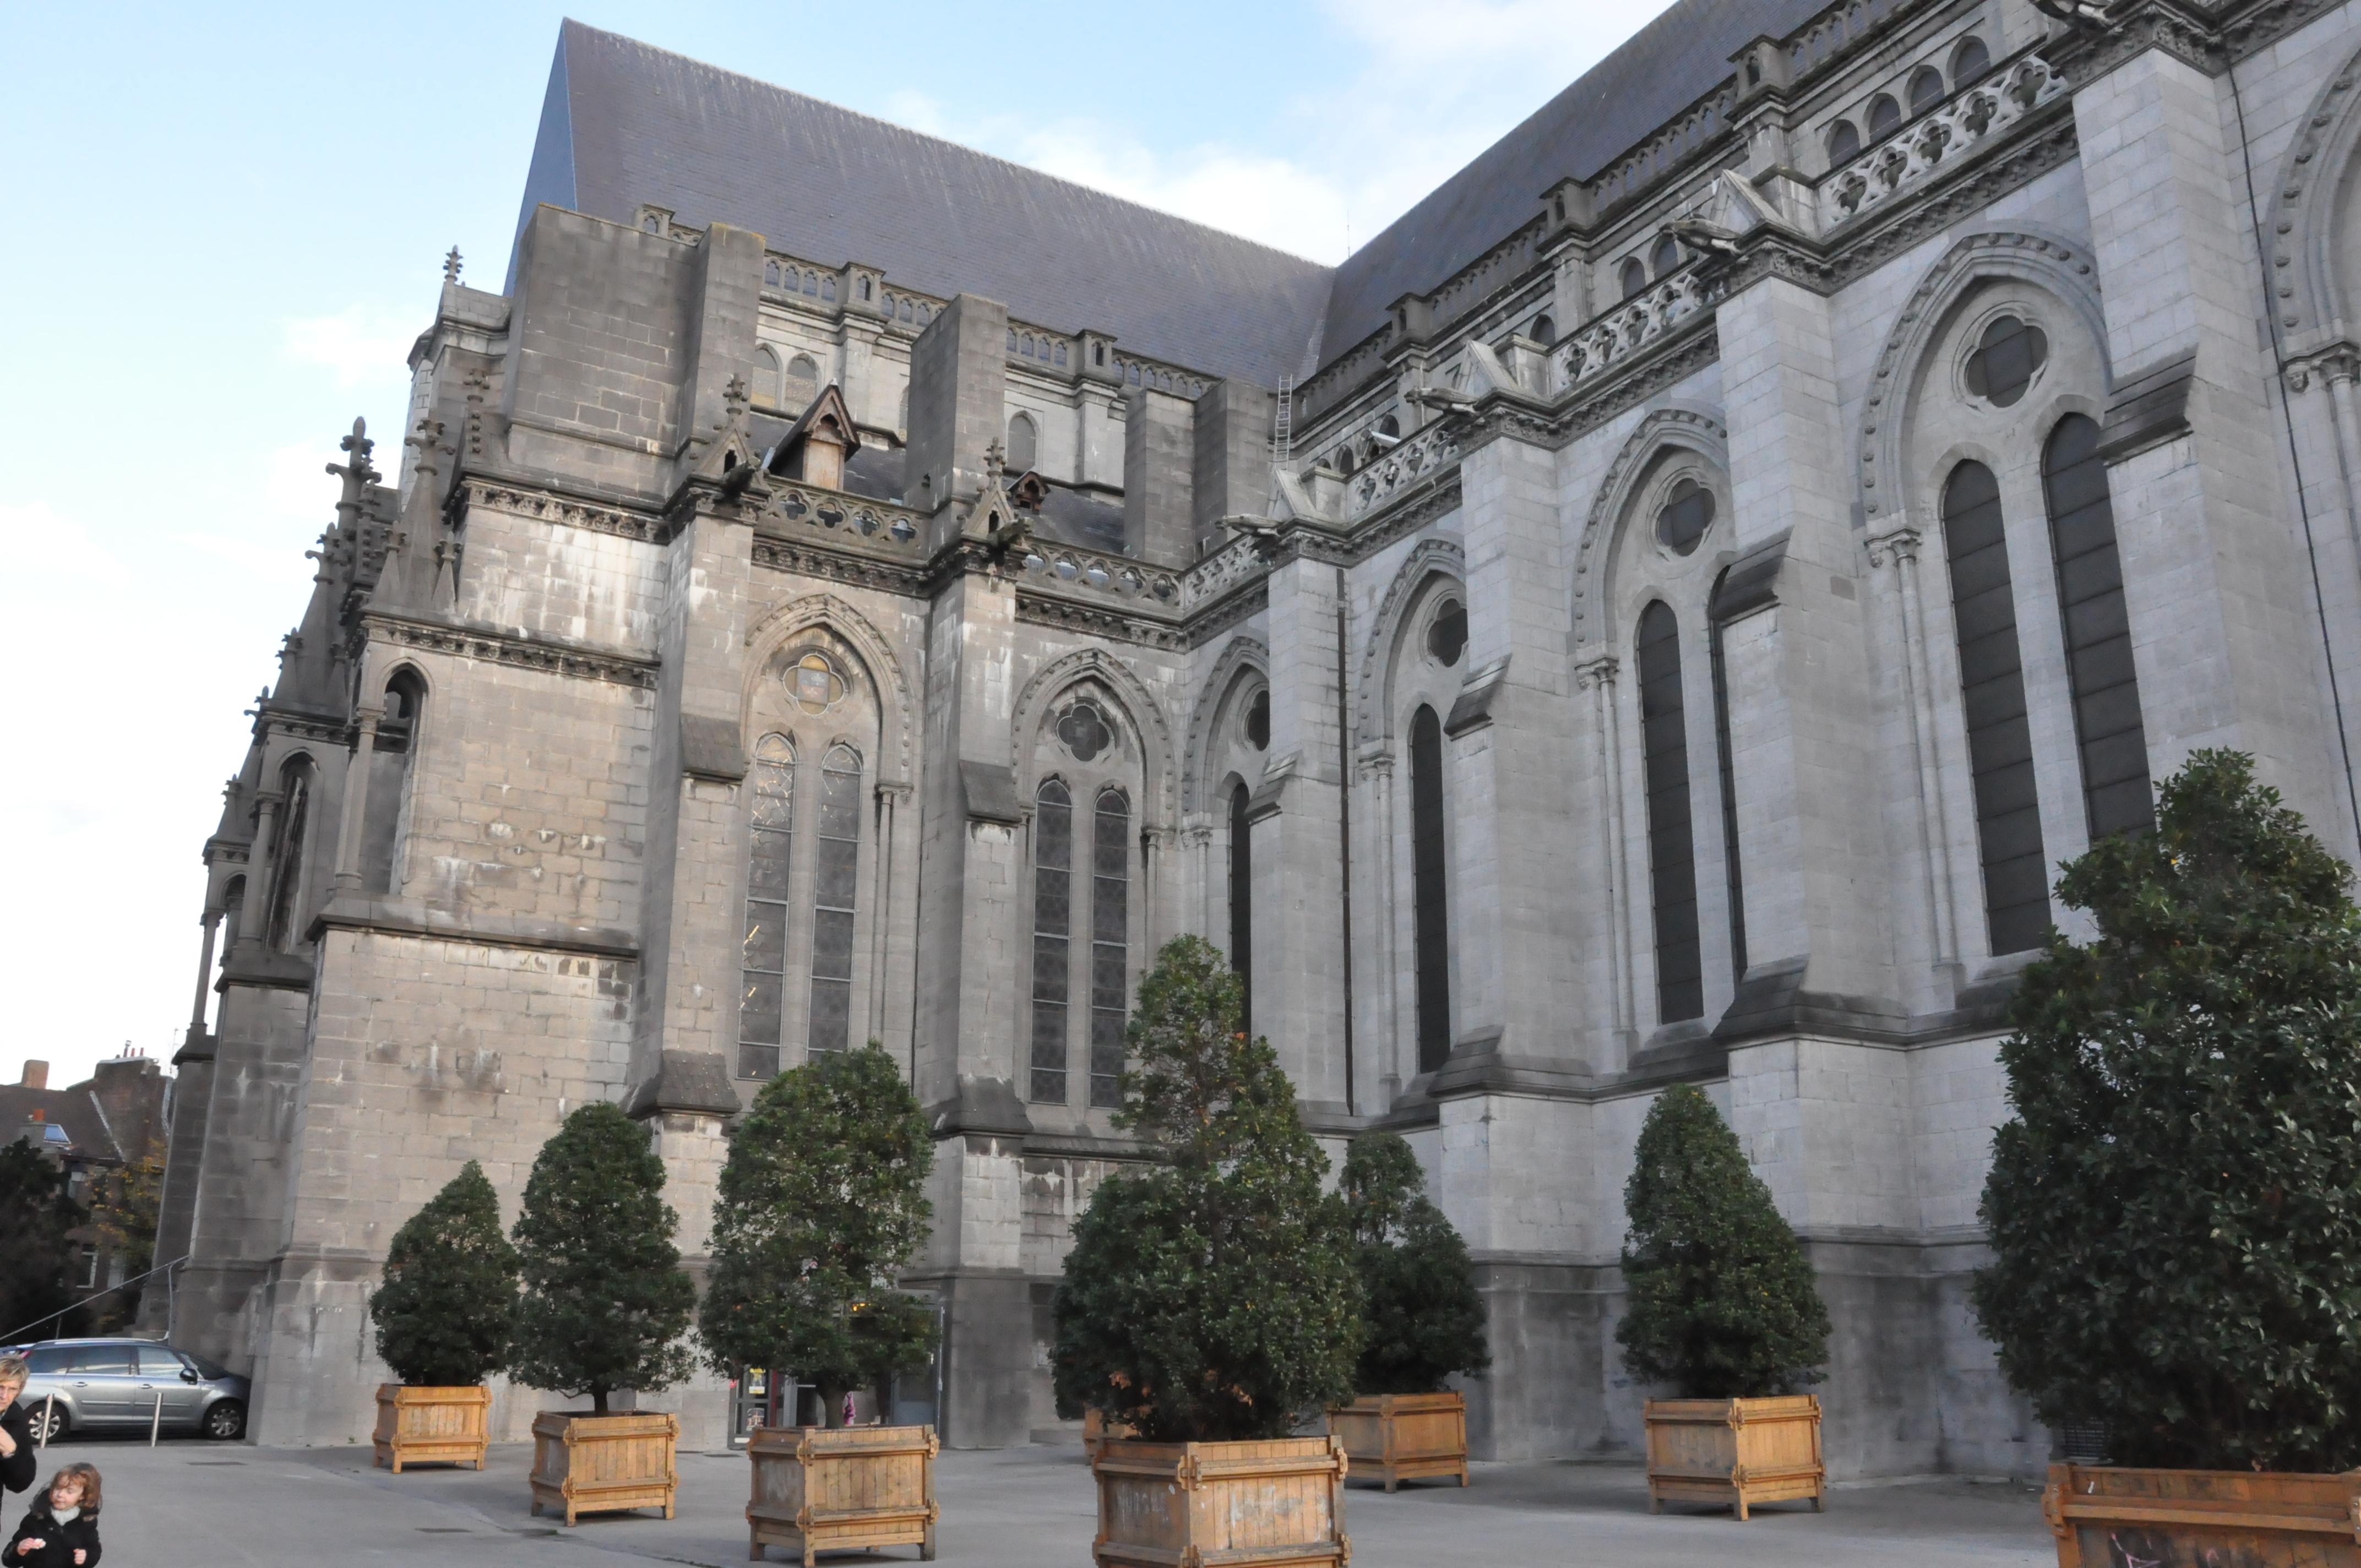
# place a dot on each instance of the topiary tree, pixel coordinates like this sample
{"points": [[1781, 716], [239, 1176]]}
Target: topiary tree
{"points": [[1211, 1298], [604, 1301], [2176, 1247], [822, 1201], [444, 1309], [1722, 1304], [1423, 1318], [37, 1217]]}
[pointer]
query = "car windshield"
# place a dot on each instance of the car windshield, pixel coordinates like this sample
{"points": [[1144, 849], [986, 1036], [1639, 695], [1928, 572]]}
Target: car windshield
{"points": [[209, 1370]]}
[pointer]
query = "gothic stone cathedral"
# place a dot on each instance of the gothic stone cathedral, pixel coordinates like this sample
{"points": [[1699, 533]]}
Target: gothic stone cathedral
{"points": [[1659, 613]]}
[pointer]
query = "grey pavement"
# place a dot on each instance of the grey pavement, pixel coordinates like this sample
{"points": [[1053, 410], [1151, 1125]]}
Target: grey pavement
{"points": [[237, 1505]]}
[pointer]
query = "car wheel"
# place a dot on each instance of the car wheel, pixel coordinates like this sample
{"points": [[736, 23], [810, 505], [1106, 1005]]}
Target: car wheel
{"points": [[49, 1422], [225, 1420]]}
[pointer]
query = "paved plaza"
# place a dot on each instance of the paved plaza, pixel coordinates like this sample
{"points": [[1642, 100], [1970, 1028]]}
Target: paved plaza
{"points": [[238, 1506]]}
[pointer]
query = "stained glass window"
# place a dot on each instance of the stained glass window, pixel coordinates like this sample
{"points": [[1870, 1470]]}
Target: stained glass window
{"points": [[1110, 943], [763, 958], [836, 855], [1053, 863]]}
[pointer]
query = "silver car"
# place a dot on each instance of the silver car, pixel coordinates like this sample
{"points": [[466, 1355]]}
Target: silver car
{"points": [[100, 1385]]}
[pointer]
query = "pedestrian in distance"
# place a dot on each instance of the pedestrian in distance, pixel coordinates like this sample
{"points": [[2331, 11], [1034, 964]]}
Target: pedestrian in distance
{"points": [[60, 1528], [17, 1455]]}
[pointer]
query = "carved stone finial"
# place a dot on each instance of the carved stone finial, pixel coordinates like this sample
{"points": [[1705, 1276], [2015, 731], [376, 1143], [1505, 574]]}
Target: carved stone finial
{"points": [[995, 461], [451, 266], [427, 442], [736, 395]]}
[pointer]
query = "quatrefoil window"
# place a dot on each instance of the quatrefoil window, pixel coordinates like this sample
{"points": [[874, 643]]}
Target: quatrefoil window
{"points": [[1085, 730], [815, 683]]}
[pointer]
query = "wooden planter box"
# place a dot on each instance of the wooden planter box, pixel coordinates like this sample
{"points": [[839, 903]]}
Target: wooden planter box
{"points": [[847, 1489], [430, 1426], [1397, 1437], [591, 1464], [1738, 1452], [1097, 1432], [2190, 1518], [1275, 1504]]}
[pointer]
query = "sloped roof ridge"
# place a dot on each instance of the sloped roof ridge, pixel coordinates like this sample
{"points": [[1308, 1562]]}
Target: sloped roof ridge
{"points": [[1025, 170]]}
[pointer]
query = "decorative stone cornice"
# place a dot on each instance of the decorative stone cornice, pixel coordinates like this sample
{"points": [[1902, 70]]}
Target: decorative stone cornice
{"points": [[543, 654], [2087, 53], [1040, 609], [1247, 602], [547, 505], [812, 559]]}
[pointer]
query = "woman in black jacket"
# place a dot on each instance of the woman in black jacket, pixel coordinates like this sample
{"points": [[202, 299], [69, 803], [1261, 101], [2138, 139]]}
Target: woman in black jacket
{"points": [[17, 1455], [61, 1529]]}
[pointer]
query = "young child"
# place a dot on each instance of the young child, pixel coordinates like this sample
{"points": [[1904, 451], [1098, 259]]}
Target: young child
{"points": [[61, 1529]]}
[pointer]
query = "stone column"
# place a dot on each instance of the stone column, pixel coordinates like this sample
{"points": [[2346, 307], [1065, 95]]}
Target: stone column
{"points": [[1596, 677], [210, 921], [1385, 1048], [254, 911], [1899, 548], [881, 904], [356, 814], [2225, 635], [2339, 370]]}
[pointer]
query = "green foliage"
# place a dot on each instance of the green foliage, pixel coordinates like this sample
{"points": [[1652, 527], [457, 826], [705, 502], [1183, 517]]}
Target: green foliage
{"points": [[35, 1217], [604, 1301], [1212, 1296], [1722, 1303], [1424, 1319], [2176, 1247], [822, 1201], [443, 1309]]}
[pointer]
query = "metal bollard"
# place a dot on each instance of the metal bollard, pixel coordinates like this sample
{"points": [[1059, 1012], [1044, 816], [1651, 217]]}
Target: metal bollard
{"points": [[156, 1422], [41, 1437]]}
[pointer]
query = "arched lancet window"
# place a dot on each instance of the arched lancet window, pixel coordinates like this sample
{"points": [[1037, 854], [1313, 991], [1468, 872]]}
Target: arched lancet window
{"points": [[1884, 115], [1672, 845], [1053, 871], [1023, 440], [291, 839], [768, 377], [1844, 144], [2000, 742], [1925, 89], [391, 766], [1732, 877], [836, 858], [763, 958], [2108, 728], [1242, 900], [1970, 63], [802, 383], [1430, 919], [1544, 330], [1634, 276], [1110, 943], [1664, 257]]}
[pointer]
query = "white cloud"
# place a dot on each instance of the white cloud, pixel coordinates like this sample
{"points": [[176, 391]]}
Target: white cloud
{"points": [[360, 345]]}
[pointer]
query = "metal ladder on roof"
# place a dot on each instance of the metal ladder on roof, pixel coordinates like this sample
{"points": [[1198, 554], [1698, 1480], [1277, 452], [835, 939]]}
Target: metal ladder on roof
{"points": [[1282, 435]]}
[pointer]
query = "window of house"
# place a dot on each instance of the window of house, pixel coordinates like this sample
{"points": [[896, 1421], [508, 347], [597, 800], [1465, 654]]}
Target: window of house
{"points": [[1925, 89], [1844, 144], [1242, 902], [835, 854], [1634, 277], [768, 377], [1110, 943], [398, 736], [86, 1269], [1884, 115], [802, 383], [2000, 742], [1685, 515], [1446, 634], [292, 835], [2006, 357], [2108, 729], [1085, 730], [763, 955], [1023, 438], [1971, 64], [1054, 871], [1665, 258], [1545, 331], [1672, 846], [1430, 919], [1258, 721]]}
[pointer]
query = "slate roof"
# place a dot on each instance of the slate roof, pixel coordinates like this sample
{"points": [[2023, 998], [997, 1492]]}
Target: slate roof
{"points": [[624, 124], [1660, 70]]}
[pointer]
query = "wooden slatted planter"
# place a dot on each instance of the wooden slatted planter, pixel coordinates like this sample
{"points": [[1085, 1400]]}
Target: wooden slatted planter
{"points": [[2190, 1518], [1399, 1437], [1735, 1451], [431, 1426], [1273, 1504], [846, 1489], [593, 1464]]}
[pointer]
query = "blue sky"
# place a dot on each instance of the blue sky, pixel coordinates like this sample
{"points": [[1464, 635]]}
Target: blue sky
{"points": [[226, 226]]}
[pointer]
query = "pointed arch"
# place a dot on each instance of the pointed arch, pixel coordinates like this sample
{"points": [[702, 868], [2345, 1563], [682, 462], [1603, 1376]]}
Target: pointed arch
{"points": [[1435, 557], [2031, 256], [767, 635], [1243, 655], [1131, 696], [1686, 426], [2311, 179]]}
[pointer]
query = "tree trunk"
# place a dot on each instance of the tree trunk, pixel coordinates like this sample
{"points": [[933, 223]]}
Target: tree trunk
{"points": [[598, 1401], [831, 1406]]}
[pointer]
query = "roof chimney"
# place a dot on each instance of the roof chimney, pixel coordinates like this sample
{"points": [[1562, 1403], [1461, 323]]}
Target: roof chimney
{"points": [[37, 1075]]}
